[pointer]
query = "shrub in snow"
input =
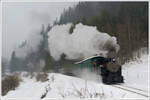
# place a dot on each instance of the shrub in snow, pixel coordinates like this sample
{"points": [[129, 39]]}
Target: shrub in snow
{"points": [[41, 76], [10, 83], [28, 74], [86, 93]]}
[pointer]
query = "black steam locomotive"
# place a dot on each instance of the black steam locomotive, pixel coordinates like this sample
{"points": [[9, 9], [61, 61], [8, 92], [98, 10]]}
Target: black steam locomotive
{"points": [[108, 68]]}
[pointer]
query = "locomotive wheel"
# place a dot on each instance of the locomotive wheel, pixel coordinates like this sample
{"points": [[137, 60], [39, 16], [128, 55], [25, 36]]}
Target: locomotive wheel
{"points": [[120, 79], [112, 78]]}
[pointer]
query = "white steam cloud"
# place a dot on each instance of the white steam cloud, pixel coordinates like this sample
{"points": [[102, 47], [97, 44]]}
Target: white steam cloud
{"points": [[87, 74], [30, 45], [85, 41]]}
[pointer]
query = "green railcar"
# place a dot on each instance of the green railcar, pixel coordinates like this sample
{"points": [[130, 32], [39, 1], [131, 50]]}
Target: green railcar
{"points": [[85, 64], [91, 63]]}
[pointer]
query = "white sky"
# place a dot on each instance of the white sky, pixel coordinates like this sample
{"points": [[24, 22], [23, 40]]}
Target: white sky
{"points": [[20, 19]]}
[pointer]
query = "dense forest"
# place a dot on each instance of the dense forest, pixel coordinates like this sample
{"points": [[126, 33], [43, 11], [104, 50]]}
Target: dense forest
{"points": [[128, 21]]}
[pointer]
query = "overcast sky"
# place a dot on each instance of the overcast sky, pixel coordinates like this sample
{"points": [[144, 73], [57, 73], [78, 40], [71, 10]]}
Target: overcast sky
{"points": [[20, 19]]}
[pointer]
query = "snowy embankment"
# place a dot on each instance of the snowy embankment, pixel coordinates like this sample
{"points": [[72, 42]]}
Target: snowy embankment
{"points": [[62, 86], [136, 73]]}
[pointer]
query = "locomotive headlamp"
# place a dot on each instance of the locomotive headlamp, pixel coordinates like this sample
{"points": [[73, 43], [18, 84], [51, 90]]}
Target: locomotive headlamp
{"points": [[113, 60]]}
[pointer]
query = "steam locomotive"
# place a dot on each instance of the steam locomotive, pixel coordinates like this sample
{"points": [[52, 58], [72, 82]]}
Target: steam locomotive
{"points": [[108, 68]]}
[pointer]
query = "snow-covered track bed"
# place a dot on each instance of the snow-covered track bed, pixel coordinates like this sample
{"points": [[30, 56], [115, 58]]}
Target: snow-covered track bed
{"points": [[138, 91]]}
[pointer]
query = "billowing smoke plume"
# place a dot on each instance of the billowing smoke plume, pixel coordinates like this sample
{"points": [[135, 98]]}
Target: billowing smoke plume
{"points": [[85, 41], [30, 45], [29, 55]]}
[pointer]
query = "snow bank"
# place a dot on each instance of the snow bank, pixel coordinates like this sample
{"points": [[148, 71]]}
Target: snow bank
{"points": [[136, 73], [85, 41], [61, 86]]}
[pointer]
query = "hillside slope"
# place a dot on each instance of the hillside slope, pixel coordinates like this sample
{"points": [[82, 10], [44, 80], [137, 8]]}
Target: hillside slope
{"points": [[62, 86]]}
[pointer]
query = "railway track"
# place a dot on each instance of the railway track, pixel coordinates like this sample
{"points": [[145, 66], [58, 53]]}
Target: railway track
{"points": [[132, 90], [136, 88]]}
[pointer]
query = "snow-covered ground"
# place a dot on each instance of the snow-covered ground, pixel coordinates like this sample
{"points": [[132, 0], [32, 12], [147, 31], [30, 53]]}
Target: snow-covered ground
{"points": [[136, 73], [62, 86]]}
